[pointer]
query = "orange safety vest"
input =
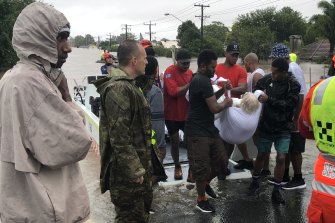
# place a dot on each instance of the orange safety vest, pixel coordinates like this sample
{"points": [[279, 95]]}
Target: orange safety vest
{"points": [[325, 172]]}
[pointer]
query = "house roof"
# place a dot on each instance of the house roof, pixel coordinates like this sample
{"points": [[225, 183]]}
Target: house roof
{"points": [[315, 50]]}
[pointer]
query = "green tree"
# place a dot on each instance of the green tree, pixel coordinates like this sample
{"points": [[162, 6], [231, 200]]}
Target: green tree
{"points": [[122, 37], [288, 22], [79, 41], [312, 33], [253, 39], [189, 37], [9, 10], [276, 25], [325, 23], [215, 36], [257, 18], [89, 40]]}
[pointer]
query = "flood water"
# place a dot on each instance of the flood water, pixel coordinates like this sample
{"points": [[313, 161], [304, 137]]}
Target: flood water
{"points": [[82, 62]]}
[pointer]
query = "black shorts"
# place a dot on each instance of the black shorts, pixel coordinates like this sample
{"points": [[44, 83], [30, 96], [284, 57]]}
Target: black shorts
{"points": [[174, 126], [297, 144]]}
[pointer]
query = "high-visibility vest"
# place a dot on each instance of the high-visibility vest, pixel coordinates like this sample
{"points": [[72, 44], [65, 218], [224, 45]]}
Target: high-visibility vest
{"points": [[153, 137], [323, 116]]}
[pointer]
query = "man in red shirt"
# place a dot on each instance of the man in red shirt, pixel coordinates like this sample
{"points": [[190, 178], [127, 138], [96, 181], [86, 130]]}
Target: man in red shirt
{"points": [[176, 82], [238, 79]]}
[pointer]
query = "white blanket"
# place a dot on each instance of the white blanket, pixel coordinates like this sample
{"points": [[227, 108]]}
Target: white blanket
{"points": [[236, 126]]}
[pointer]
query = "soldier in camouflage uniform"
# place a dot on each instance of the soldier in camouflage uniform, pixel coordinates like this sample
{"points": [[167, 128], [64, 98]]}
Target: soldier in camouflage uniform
{"points": [[125, 137]]}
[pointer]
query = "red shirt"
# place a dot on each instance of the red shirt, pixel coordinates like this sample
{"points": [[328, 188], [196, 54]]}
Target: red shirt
{"points": [[175, 107], [236, 74]]}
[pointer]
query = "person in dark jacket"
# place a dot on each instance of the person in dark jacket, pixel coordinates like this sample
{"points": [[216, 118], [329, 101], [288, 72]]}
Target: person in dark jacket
{"points": [[281, 95]]}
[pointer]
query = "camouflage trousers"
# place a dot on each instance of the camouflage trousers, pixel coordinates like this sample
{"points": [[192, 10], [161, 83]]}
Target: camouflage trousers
{"points": [[132, 206]]}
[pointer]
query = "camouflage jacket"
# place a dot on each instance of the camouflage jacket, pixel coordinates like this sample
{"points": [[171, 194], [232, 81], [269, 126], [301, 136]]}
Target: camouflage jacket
{"points": [[125, 132]]}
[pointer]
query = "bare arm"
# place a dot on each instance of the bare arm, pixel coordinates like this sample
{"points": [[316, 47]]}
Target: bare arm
{"points": [[255, 78], [182, 90], [222, 90], [216, 107], [240, 89], [297, 112]]}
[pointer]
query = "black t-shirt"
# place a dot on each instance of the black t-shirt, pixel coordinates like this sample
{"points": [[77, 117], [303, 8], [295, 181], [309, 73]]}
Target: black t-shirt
{"points": [[200, 120]]}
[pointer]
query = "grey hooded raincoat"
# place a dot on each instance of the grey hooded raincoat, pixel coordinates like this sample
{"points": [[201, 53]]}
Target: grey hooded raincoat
{"points": [[41, 137]]}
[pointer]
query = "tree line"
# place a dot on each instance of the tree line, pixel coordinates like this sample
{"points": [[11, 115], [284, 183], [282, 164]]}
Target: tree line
{"points": [[259, 30], [256, 31]]}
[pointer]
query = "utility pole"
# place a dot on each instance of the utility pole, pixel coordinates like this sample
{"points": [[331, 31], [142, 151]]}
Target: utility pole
{"points": [[150, 24], [126, 28], [110, 40], [202, 21]]}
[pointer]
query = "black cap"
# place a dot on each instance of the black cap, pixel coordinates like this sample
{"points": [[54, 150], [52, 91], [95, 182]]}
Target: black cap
{"points": [[233, 48]]}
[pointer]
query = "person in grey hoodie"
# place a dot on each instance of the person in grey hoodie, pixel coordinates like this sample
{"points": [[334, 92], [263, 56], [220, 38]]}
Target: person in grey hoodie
{"points": [[42, 137]]}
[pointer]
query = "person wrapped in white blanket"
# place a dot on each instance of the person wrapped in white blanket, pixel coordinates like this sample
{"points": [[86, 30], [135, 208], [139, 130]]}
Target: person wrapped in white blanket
{"points": [[238, 123]]}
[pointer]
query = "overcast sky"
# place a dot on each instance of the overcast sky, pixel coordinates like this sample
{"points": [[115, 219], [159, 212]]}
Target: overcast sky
{"points": [[99, 18]]}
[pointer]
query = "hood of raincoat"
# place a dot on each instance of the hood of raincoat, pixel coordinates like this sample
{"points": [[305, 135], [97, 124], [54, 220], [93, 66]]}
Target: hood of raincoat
{"points": [[35, 36]]}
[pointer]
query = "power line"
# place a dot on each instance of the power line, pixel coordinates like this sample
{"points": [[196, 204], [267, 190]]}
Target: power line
{"points": [[202, 22], [150, 32], [126, 28]]}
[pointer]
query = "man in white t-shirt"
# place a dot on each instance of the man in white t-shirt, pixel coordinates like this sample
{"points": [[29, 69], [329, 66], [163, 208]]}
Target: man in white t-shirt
{"points": [[254, 71]]}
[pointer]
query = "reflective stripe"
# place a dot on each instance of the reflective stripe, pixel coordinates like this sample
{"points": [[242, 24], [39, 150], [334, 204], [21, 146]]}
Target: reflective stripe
{"points": [[323, 117], [324, 188], [320, 91], [328, 157], [325, 172]]}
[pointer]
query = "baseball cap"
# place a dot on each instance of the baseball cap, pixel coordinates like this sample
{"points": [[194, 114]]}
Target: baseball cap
{"points": [[145, 43], [233, 48], [279, 51], [183, 55]]}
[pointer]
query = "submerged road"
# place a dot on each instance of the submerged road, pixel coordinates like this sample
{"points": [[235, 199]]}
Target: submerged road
{"points": [[177, 203]]}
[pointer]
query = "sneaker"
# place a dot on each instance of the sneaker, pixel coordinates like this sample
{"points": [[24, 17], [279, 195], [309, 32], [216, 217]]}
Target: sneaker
{"points": [[253, 188], [222, 176], [205, 206], [210, 191], [277, 197], [295, 184], [243, 164], [178, 173], [151, 211], [265, 173], [286, 179], [271, 180]]}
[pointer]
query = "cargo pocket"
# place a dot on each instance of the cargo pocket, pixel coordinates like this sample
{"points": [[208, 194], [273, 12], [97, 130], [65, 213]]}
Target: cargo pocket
{"points": [[314, 214]]}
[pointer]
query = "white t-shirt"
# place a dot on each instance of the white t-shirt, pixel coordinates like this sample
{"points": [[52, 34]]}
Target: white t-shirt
{"points": [[297, 72], [236, 126], [251, 76]]}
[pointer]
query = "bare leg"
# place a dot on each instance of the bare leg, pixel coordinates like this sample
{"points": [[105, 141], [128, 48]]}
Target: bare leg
{"points": [[280, 167], [266, 162], [175, 148], [296, 159], [243, 149], [259, 162]]}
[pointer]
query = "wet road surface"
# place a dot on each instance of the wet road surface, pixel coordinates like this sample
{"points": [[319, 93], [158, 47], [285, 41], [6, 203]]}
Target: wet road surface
{"points": [[177, 203]]}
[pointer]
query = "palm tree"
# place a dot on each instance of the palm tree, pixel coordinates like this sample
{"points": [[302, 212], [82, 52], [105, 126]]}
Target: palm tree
{"points": [[326, 22]]}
